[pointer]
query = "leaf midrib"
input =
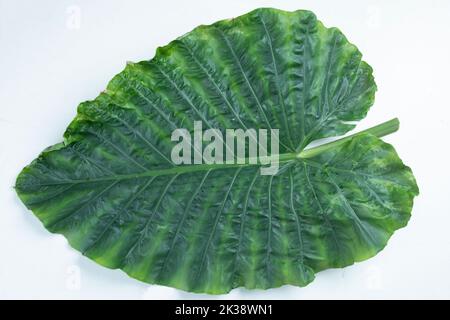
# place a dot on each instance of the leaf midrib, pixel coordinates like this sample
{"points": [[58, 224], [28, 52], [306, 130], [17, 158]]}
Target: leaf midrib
{"points": [[284, 158], [379, 131]]}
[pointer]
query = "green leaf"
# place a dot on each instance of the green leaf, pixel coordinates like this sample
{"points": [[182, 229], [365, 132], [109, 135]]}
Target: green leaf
{"points": [[111, 189]]}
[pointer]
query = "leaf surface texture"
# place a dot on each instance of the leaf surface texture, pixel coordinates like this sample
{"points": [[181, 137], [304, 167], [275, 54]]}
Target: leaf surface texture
{"points": [[111, 189]]}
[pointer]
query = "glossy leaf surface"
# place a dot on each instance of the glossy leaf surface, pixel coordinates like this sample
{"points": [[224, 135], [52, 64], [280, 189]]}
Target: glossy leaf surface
{"points": [[111, 189]]}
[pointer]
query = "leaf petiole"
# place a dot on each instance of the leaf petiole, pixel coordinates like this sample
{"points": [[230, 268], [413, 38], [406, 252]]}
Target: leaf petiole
{"points": [[380, 130]]}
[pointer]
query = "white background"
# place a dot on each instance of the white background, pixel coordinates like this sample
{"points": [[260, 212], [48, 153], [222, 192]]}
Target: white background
{"points": [[55, 54]]}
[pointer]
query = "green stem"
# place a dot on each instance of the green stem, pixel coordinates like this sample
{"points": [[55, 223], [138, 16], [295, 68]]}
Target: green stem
{"points": [[380, 130]]}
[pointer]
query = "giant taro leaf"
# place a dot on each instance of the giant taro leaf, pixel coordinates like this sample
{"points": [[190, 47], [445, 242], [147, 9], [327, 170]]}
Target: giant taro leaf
{"points": [[111, 189]]}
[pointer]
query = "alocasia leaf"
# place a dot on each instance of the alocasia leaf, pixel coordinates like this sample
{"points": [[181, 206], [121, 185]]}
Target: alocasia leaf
{"points": [[112, 190]]}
